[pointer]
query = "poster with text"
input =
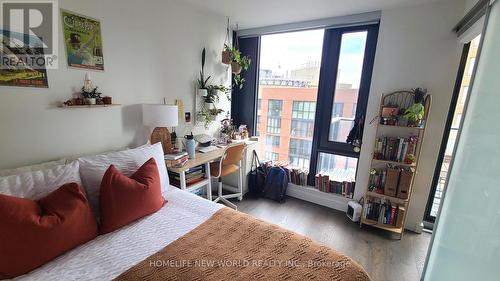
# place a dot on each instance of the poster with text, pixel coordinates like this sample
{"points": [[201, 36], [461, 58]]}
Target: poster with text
{"points": [[83, 41], [22, 65]]}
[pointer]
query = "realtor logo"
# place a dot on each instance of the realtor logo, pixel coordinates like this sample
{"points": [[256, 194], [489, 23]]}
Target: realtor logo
{"points": [[28, 34]]}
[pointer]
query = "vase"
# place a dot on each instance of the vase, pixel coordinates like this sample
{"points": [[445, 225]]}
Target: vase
{"points": [[202, 92], [107, 100], [226, 57], [90, 101], [236, 67]]}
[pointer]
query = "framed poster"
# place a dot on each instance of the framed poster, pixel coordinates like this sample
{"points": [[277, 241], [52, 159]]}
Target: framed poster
{"points": [[22, 65], [83, 41]]}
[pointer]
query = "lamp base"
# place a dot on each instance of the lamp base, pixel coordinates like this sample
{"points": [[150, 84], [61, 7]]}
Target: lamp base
{"points": [[161, 134]]}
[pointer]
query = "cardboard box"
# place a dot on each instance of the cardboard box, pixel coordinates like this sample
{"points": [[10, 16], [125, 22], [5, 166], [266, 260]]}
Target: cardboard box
{"points": [[405, 182], [391, 182]]}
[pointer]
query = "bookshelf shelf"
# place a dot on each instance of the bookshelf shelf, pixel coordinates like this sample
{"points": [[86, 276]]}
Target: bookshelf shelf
{"points": [[394, 163], [386, 227], [404, 127], [387, 197], [393, 142]]}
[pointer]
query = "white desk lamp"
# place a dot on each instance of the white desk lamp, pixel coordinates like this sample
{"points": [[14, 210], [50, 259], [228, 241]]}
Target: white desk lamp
{"points": [[160, 116]]}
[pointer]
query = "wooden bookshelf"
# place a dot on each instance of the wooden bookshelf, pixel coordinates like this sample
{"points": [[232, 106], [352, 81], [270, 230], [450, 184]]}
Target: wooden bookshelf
{"points": [[406, 99]]}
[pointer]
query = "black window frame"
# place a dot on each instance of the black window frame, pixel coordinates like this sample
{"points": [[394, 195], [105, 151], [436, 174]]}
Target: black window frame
{"points": [[326, 92]]}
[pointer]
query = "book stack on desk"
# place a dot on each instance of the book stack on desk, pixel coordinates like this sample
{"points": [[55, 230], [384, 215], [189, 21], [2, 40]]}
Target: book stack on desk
{"points": [[176, 160], [193, 175]]}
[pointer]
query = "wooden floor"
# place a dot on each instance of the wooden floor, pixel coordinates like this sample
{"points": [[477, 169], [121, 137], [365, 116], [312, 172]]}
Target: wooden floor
{"points": [[383, 256]]}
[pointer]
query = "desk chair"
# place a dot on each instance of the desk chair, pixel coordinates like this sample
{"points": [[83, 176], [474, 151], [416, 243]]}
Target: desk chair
{"points": [[229, 163]]}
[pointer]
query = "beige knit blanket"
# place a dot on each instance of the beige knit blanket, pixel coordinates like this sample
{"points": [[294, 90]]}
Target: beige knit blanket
{"points": [[235, 246]]}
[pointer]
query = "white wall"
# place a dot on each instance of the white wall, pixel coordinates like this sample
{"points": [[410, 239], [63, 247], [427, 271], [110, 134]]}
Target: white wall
{"points": [[150, 51], [416, 48]]}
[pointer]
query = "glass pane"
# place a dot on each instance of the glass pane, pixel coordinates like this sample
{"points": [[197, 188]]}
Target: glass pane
{"points": [[352, 51], [288, 87], [338, 169], [457, 121]]}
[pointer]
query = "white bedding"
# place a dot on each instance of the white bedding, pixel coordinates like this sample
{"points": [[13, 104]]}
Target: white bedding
{"points": [[107, 256]]}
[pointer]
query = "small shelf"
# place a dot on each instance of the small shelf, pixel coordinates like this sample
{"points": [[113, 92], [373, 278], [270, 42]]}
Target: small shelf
{"points": [[387, 197], [394, 163], [387, 227], [196, 185], [88, 106], [405, 127]]}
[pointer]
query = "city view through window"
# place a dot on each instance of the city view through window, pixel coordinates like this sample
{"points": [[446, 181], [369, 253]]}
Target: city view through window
{"points": [[288, 89]]}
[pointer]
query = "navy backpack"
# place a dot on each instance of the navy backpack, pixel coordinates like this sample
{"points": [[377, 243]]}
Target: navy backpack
{"points": [[276, 184]]}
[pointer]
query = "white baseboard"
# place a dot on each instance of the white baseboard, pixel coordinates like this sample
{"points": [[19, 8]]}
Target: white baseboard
{"points": [[313, 195]]}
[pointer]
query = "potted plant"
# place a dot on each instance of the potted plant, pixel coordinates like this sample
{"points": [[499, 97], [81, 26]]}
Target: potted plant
{"points": [[238, 63], [213, 93], [208, 115], [227, 129], [415, 113], [202, 81], [226, 54], [90, 96]]}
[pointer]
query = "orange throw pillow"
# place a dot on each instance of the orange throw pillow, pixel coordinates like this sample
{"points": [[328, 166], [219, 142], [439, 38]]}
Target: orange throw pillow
{"points": [[34, 232], [124, 200]]}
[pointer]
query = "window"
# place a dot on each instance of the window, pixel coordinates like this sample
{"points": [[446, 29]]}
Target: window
{"points": [[289, 70], [300, 153], [465, 92], [472, 61], [300, 147], [350, 67], [303, 110], [273, 156], [273, 125], [273, 141], [339, 168], [274, 108], [291, 97], [303, 113]]}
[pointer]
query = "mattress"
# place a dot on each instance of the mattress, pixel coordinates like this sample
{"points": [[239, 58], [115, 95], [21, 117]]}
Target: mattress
{"points": [[107, 256]]}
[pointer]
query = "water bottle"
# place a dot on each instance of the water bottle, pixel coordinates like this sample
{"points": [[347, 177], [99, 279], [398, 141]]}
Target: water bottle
{"points": [[190, 145]]}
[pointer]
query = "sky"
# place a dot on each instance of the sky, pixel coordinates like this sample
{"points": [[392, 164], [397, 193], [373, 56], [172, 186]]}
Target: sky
{"points": [[286, 51]]}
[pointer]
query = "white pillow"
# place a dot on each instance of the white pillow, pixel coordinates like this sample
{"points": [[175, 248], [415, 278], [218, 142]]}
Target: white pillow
{"points": [[37, 184], [92, 168], [32, 168]]}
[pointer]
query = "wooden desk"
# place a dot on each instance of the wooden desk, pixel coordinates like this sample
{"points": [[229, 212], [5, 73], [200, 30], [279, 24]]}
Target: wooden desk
{"points": [[200, 159]]}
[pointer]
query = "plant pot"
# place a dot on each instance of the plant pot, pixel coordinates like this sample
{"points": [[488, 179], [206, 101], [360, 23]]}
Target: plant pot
{"points": [[202, 92], [90, 101], [236, 67], [402, 121], [226, 57], [107, 100]]}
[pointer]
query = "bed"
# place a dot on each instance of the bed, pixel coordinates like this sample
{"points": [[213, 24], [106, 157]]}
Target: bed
{"points": [[170, 243]]}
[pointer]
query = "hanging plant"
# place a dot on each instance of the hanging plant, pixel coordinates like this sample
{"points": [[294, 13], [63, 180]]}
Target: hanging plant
{"points": [[226, 53], [238, 63]]}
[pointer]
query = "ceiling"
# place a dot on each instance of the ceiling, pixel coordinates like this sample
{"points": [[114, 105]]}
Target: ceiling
{"points": [[258, 13]]}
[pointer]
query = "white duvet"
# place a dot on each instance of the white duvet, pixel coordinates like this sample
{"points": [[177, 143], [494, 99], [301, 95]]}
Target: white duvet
{"points": [[107, 256]]}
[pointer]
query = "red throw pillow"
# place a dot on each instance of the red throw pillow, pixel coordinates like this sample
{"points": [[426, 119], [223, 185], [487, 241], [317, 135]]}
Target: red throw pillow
{"points": [[124, 200], [35, 232]]}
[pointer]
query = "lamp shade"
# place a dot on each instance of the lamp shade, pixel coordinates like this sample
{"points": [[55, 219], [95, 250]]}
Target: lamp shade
{"points": [[160, 115]]}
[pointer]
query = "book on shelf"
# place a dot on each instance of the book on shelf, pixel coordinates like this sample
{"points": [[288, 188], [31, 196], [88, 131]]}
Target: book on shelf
{"points": [[335, 184], [192, 175], [178, 163], [175, 156], [395, 149], [394, 181], [384, 212]]}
